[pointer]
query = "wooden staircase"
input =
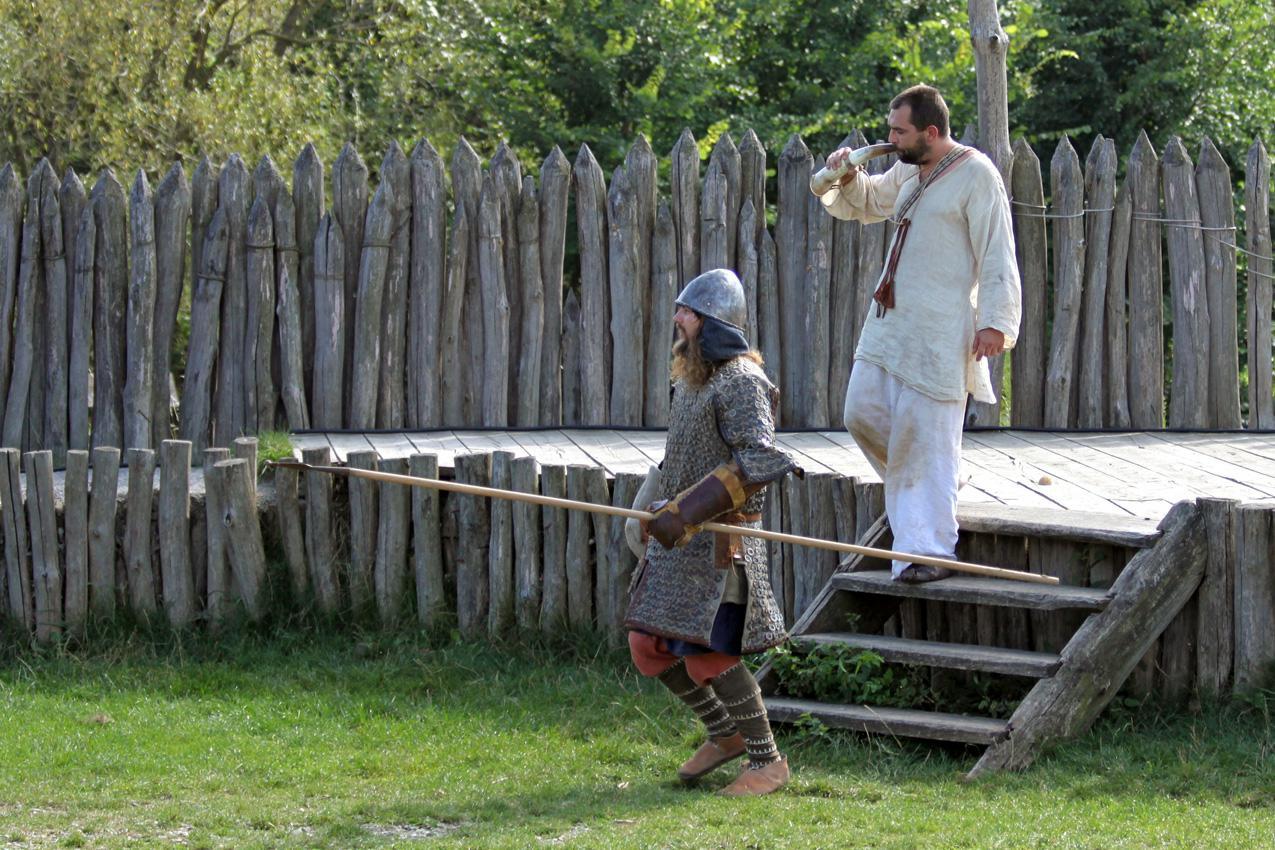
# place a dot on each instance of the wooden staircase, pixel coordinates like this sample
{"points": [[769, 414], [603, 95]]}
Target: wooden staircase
{"points": [[1105, 631]]}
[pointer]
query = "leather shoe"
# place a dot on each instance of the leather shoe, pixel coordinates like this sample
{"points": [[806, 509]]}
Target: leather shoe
{"points": [[711, 755], [755, 781], [920, 573]]}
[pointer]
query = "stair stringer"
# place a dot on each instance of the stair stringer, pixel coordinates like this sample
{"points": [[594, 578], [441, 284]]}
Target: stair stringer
{"points": [[1150, 591]]}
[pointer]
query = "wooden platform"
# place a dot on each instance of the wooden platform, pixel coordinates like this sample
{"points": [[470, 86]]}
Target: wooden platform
{"points": [[1124, 478]]}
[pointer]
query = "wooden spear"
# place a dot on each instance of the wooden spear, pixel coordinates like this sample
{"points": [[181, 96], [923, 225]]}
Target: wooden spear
{"points": [[629, 513]]}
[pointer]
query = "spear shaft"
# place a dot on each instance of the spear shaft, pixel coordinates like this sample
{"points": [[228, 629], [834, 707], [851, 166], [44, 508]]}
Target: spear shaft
{"points": [[630, 513]]}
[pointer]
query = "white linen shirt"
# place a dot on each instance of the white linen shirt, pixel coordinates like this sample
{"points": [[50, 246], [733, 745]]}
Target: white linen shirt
{"points": [[956, 274]]}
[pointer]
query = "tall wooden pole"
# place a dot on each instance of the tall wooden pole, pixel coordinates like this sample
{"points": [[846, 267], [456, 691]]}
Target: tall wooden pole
{"points": [[991, 46]]}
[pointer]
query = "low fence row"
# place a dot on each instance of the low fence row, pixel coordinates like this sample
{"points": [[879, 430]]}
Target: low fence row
{"points": [[333, 303], [377, 552]]}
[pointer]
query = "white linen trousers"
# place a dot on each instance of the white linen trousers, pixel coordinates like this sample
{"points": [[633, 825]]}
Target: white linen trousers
{"points": [[914, 443]]}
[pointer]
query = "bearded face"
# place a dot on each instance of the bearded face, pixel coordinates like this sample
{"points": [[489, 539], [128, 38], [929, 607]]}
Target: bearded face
{"points": [[688, 361], [915, 153]]}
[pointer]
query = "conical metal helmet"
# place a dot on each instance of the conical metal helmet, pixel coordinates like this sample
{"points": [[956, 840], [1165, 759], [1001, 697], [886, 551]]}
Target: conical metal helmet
{"points": [[717, 293]]}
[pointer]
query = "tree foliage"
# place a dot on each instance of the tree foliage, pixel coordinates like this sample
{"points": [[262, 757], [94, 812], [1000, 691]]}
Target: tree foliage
{"points": [[138, 83]]}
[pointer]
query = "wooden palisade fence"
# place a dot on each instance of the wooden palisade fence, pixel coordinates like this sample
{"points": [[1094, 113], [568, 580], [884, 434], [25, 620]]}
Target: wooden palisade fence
{"points": [[376, 312], [166, 544]]}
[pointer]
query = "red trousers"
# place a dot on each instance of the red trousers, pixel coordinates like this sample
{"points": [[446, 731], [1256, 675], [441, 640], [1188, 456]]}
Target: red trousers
{"points": [[651, 657]]}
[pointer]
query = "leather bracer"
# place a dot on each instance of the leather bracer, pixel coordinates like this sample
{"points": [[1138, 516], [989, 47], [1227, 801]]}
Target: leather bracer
{"points": [[721, 491]]}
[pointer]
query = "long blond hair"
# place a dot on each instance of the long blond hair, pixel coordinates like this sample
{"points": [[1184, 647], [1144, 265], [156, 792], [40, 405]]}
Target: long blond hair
{"points": [[689, 364]]}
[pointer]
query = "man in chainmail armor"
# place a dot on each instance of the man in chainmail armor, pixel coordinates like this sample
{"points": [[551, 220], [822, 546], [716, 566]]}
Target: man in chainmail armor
{"points": [[700, 600]]}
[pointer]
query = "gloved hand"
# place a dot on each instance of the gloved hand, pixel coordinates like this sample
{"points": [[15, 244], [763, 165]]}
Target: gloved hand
{"points": [[669, 526], [677, 521]]}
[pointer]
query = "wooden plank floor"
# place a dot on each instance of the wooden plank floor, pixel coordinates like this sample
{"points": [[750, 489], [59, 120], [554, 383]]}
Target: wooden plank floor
{"points": [[1135, 476]]}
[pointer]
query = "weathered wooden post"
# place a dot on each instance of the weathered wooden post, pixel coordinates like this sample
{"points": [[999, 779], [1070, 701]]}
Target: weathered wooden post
{"points": [[110, 302], [1257, 240], [579, 555], [42, 199], [454, 385], [1117, 345], [365, 372], [172, 217], [593, 338], [1067, 190], [246, 551], [291, 351], [330, 319], [769, 326], [16, 559], [75, 514], [390, 575], [555, 189], [139, 536], [427, 544], [506, 175], [495, 307], [684, 188], [426, 285], [642, 170], [713, 244], [78, 243], [500, 559], [473, 540], [308, 202], [259, 394], [230, 415], [292, 529], [319, 546], [56, 346], [178, 579], [10, 254], [1100, 194], [363, 531], [553, 597], [46, 566], [659, 333], [844, 304], [791, 234], [527, 545], [349, 208], [1146, 300], [219, 584], [16, 417], [1189, 393], [817, 307], [746, 266], [1215, 639], [626, 331], [1217, 218], [139, 400], [205, 337], [103, 505], [391, 403], [1254, 595], [467, 179], [597, 493], [528, 385]]}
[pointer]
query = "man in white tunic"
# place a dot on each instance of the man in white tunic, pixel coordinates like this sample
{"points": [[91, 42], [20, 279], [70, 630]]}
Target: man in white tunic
{"points": [[950, 271]]}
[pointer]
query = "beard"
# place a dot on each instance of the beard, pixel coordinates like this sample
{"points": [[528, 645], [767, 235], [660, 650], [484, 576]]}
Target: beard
{"points": [[916, 154], [689, 363]]}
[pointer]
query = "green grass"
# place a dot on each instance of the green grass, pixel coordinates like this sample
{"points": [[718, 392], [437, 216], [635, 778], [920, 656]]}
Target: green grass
{"points": [[303, 740]]}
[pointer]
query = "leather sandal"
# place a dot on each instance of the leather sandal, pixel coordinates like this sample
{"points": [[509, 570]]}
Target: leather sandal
{"points": [[711, 755], [756, 781]]}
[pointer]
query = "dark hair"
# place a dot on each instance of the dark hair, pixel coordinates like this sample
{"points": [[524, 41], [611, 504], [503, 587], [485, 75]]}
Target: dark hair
{"points": [[927, 107]]}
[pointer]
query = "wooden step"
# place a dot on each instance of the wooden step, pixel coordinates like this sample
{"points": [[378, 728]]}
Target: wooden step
{"points": [[1081, 526], [978, 591], [904, 722], [953, 656]]}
